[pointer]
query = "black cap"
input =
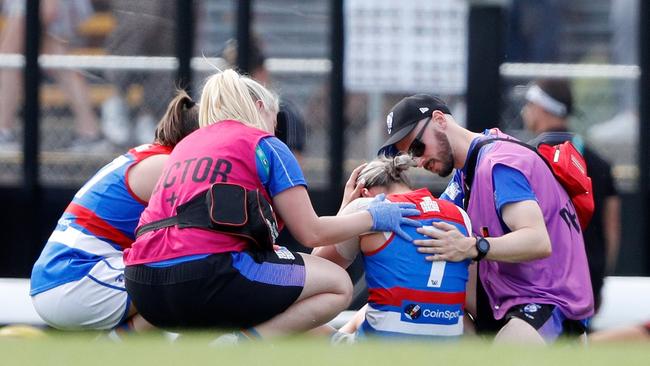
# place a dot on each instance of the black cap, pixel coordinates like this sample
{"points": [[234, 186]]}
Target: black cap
{"points": [[405, 115]]}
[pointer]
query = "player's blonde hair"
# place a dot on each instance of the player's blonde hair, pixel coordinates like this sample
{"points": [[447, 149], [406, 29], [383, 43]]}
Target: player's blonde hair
{"points": [[385, 171], [228, 95]]}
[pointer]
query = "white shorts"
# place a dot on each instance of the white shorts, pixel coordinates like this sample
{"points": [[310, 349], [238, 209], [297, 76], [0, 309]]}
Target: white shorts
{"points": [[97, 301]]}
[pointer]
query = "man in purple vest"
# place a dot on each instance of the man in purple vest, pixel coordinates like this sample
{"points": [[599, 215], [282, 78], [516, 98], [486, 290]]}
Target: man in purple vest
{"points": [[533, 266]]}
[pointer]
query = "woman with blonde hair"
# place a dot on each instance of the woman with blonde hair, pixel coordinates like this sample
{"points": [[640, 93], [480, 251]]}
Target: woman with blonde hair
{"points": [[200, 260], [407, 296]]}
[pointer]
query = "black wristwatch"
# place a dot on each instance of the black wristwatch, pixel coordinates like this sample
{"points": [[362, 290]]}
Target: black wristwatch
{"points": [[482, 246]]}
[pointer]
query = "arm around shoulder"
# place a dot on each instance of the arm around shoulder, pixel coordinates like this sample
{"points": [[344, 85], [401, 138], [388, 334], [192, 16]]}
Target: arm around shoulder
{"points": [[345, 252], [295, 208]]}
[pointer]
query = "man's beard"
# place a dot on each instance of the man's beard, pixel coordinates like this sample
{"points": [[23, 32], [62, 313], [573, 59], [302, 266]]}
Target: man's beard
{"points": [[447, 156]]}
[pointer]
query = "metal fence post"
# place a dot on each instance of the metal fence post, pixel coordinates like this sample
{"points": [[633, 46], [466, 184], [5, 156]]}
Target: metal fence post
{"points": [[484, 56], [337, 96], [32, 80], [244, 21], [644, 128], [184, 42]]}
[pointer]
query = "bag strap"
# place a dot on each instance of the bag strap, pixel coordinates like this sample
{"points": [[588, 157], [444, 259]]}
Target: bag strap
{"points": [[170, 221], [191, 210], [473, 157]]}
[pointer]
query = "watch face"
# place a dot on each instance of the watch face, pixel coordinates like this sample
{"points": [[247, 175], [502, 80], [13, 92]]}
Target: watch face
{"points": [[483, 245]]}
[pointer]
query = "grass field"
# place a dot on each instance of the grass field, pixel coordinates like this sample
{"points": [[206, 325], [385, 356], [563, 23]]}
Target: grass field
{"points": [[85, 349]]}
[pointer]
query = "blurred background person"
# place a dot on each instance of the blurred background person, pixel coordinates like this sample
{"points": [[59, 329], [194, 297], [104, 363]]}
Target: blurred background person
{"points": [[290, 127], [549, 103], [60, 20], [534, 30], [144, 28]]}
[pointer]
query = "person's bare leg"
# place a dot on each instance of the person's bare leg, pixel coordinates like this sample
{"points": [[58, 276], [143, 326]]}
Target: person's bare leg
{"points": [[140, 324], [11, 41], [623, 334], [86, 121], [517, 331], [355, 322], [136, 322], [324, 330], [469, 328], [327, 291], [76, 89], [470, 289]]}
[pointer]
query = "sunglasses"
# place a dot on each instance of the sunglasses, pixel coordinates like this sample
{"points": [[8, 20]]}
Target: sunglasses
{"points": [[417, 147]]}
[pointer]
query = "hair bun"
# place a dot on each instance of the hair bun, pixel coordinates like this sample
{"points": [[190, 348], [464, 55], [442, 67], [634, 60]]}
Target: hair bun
{"points": [[403, 162], [188, 103]]}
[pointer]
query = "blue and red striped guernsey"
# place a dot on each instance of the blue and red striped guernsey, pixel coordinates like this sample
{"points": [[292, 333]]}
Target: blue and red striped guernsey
{"points": [[409, 296], [99, 222]]}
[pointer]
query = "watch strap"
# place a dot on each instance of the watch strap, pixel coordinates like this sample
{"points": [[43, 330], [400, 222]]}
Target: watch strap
{"points": [[481, 253]]}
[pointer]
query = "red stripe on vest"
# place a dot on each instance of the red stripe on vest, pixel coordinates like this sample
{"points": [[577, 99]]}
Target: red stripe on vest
{"points": [[144, 151], [394, 296], [97, 226]]}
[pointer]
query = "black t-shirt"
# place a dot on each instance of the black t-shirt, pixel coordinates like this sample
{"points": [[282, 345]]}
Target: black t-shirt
{"points": [[603, 186]]}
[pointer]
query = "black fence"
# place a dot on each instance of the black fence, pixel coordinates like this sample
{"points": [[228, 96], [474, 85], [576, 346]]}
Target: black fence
{"points": [[31, 208]]}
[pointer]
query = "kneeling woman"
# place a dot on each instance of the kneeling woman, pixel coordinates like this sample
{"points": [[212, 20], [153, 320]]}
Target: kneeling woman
{"points": [[407, 295], [187, 275], [77, 283]]}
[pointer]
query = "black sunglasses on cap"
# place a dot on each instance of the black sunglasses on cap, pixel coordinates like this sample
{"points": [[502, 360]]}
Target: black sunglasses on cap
{"points": [[417, 147]]}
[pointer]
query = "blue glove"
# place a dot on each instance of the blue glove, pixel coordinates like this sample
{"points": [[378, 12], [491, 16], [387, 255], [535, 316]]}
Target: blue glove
{"points": [[387, 216]]}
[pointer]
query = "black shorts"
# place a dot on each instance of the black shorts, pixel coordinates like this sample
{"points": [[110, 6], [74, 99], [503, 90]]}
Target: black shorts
{"points": [[226, 290], [548, 320]]}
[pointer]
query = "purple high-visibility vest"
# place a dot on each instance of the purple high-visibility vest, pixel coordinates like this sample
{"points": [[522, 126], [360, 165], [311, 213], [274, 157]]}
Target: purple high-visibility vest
{"points": [[561, 279]]}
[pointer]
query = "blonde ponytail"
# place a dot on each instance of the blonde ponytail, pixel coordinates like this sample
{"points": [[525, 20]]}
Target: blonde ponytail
{"points": [[229, 96]]}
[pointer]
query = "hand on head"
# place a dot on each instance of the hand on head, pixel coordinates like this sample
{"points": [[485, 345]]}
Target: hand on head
{"points": [[352, 187]]}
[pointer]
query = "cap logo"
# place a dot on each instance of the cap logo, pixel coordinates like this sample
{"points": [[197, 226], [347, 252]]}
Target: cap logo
{"points": [[389, 122], [424, 109]]}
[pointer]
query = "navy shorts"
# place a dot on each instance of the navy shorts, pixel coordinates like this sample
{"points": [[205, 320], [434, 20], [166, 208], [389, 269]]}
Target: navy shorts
{"points": [[225, 290]]}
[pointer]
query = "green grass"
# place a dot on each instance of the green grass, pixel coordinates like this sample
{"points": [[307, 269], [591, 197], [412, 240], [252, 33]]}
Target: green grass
{"points": [[84, 349]]}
